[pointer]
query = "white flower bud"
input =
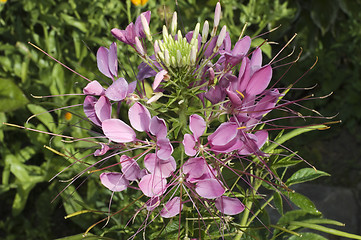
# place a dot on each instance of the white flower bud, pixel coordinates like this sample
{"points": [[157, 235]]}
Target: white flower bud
{"points": [[165, 34], [193, 55], [166, 58], [179, 59], [221, 36], [173, 28], [156, 47], [139, 47], [196, 31], [155, 98], [205, 31], [146, 27], [179, 35], [217, 15]]}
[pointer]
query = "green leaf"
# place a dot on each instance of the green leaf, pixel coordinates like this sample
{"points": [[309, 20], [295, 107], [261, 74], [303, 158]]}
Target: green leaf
{"points": [[292, 134], [325, 229], [277, 200], [302, 202], [266, 48], [81, 236], [43, 115], [307, 236], [324, 14], [305, 175], [74, 22], [11, 96]]}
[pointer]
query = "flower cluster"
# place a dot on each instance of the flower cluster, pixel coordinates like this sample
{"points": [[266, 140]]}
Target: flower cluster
{"points": [[211, 96]]}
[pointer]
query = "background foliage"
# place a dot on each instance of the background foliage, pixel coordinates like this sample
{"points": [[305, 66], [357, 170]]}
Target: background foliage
{"points": [[72, 31]]}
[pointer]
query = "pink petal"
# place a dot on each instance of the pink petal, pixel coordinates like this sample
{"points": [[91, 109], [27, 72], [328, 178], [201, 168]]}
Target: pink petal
{"points": [[197, 125], [139, 117], [113, 59], [210, 188], [103, 108], [89, 109], [104, 149], [189, 144], [93, 88], [195, 167], [118, 131], [102, 61], [158, 167], [139, 32], [158, 78], [131, 87], [157, 127], [254, 142], [229, 206], [165, 149], [152, 203], [171, 208], [256, 60], [130, 168], [118, 90], [234, 97], [224, 134], [259, 81], [114, 181], [152, 185]]}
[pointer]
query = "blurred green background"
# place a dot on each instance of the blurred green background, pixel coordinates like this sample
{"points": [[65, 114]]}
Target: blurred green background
{"points": [[72, 31]]}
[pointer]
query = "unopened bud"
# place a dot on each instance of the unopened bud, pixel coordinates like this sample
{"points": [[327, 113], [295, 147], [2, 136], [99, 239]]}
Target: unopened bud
{"points": [[179, 59], [173, 27], [179, 35], [217, 15], [165, 34], [139, 47], [155, 98], [166, 57], [145, 25], [196, 31], [205, 31], [193, 55], [221, 36], [161, 56], [156, 47]]}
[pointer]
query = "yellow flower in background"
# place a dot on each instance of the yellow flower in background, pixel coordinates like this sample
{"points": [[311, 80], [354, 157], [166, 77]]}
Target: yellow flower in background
{"points": [[4, 1], [68, 116], [137, 2]]}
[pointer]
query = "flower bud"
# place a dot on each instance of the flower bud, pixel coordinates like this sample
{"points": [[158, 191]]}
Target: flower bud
{"points": [[166, 58], [193, 55], [139, 47], [205, 31], [165, 34], [173, 27], [145, 25], [217, 15], [221, 36], [179, 35], [196, 31], [156, 47], [179, 59]]}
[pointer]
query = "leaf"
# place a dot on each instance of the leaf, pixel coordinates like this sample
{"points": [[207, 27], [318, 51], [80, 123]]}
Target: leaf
{"points": [[11, 96], [277, 200], [43, 115], [324, 14], [74, 22], [302, 202], [305, 175], [266, 48], [307, 236]]}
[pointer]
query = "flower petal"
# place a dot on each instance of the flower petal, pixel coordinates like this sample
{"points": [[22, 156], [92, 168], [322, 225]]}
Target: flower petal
{"points": [[158, 78], [114, 181], [102, 61], [165, 148], [259, 81], [113, 59], [172, 208], [229, 206], [130, 168], [89, 109], [210, 188], [118, 90], [189, 143], [197, 125], [103, 108], [139, 117], [161, 168], [118, 131], [93, 88], [152, 185], [158, 127]]}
